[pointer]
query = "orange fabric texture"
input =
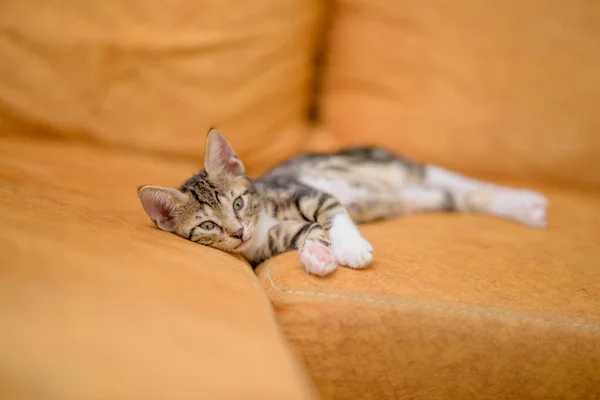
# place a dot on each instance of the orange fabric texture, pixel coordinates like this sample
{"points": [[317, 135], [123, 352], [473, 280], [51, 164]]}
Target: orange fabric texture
{"points": [[95, 302], [505, 88], [95, 101], [454, 307], [151, 76]]}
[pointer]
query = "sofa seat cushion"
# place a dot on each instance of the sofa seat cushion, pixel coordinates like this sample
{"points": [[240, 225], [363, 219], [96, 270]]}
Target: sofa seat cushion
{"points": [[95, 302], [454, 306]]}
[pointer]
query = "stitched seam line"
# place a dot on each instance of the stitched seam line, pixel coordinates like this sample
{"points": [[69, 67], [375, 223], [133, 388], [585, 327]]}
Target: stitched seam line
{"points": [[407, 304]]}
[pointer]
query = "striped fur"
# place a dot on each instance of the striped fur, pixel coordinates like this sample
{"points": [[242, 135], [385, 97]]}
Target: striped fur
{"points": [[309, 202]]}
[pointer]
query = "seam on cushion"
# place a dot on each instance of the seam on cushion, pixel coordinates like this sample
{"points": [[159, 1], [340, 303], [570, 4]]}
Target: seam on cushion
{"points": [[453, 310]]}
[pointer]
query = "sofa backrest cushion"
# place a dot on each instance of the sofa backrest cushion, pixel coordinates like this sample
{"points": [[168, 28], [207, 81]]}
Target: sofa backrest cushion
{"points": [[509, 88], [155, 76]]}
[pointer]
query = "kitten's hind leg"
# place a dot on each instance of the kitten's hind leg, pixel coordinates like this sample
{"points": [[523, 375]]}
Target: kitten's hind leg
{"points": [[410, 199], [524, 206]]}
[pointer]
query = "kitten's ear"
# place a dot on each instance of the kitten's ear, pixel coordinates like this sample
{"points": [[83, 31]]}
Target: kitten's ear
{"points": [[220, 157], [160, 204]]}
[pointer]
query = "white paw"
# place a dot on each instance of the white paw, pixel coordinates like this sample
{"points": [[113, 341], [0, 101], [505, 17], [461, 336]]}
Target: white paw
{"points": [[524, 206], [352, 250], [348, 247], [317, 258]]}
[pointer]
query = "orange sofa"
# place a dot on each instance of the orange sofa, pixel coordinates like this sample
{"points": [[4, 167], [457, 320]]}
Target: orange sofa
{"points": [[96, 100]]}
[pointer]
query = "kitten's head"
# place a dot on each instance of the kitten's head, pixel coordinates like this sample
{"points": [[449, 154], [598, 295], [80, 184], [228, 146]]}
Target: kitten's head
{"points": [[217, 207]]}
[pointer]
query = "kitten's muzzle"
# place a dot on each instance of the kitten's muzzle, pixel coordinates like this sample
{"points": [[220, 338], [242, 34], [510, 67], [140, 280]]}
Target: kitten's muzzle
{"points": [[239, 234]]}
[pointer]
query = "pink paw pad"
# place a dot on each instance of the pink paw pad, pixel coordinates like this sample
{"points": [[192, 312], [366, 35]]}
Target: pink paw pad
{"points": [[320, 252], [317, 258]]}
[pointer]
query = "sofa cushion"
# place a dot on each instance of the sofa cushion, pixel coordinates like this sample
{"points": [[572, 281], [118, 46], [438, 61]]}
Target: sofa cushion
{"points": [[494, 88], [144, 75], [454, 306], [95, 302]]}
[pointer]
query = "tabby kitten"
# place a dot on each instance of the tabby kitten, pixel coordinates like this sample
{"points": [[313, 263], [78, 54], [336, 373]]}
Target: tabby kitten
{"points": [[311, 202]]}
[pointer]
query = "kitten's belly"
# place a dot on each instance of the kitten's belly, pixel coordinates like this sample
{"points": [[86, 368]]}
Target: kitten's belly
{"points": [[357, 189], [364, 182], [345, 192]]}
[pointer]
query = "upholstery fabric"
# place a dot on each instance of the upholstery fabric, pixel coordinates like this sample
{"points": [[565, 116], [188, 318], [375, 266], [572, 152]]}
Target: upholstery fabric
{"points": [[154, 76], [461, 306], [454, 307], [95, 302], [505, 88], [99, 98]]}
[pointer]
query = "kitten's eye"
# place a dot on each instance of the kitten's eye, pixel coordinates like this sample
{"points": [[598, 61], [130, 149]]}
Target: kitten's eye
{"points": [[238, 204], [208, 225]]}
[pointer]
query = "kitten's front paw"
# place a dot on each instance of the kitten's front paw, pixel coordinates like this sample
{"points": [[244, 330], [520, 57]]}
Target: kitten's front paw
{"points": [[352, 250], [317, 258]]}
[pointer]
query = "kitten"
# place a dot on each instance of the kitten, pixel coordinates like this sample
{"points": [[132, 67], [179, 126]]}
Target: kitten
{"points": [[311, 202]]}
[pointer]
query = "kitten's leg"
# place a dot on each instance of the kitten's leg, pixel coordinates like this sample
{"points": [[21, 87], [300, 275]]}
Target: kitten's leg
{"points": [[310, 239], [349, 247], [466, 194], [410, 199]]}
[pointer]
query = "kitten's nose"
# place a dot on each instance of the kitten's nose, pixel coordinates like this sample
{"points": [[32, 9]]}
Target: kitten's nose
{"points": [[238, 234]]}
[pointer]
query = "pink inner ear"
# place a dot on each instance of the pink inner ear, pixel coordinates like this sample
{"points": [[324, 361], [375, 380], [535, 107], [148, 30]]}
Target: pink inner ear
{"points": [[159, 207], [228, 159], [163, 209], [234, 166], [221, 157]]}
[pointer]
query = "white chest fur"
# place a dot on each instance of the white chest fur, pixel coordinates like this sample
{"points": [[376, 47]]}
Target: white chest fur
{"points": [[261, 235]]}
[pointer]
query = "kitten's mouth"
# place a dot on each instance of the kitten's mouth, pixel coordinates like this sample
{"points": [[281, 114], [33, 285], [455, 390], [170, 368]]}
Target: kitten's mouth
{"points": [[242, 242]]}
